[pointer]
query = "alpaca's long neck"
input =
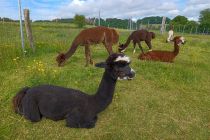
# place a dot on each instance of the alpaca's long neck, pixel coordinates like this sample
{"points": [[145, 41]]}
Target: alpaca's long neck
{"points": [[105, 92], [176, 49], [72, 50], [127, 42]]}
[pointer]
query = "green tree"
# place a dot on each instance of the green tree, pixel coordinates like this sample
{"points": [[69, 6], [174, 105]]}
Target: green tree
{"points": [[204, 18], [179, 20], [192, 24], [79, 20]]}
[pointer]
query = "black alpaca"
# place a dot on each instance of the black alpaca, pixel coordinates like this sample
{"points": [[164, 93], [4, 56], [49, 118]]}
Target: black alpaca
{"points": [[79, 109]]}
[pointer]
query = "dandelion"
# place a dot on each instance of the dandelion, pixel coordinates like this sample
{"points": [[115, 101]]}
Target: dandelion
{"points": [[14, 59], [17, 57], [54, 71]]}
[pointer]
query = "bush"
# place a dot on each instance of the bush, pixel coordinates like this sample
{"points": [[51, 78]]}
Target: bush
{"points": [[79, 20]]}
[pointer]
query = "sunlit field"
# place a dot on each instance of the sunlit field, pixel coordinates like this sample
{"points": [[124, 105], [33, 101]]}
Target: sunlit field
{"points": [[164, 101]]}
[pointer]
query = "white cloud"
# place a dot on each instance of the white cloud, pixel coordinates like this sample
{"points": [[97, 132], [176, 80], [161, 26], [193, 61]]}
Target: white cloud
{"points": [[118, 8], [49, 9], [167, 6], [194, 2], [174, 12], [193, 8]]}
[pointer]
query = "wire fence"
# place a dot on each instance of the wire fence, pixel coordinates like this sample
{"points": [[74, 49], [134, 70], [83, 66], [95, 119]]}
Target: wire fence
{"points": [[177, 28], [59, 33]]}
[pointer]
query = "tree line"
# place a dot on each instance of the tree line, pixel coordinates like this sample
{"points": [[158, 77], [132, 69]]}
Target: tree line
{"points": [[179, 22]]}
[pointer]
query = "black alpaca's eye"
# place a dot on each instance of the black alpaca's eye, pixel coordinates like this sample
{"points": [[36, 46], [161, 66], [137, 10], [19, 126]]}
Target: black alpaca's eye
{"points": [[122, 64]]}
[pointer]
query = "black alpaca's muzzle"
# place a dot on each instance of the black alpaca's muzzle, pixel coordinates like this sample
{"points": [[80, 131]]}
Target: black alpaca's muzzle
{"points": [[128, 75]]}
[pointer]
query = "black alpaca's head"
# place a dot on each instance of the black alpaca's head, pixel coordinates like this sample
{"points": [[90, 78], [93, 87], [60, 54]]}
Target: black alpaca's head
{"points": [[117, 66]]}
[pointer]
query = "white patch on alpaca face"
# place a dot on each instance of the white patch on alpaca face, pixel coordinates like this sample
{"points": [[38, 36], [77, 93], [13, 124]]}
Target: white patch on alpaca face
{"points": [[124, 78], [124, 58], [182, 39]]}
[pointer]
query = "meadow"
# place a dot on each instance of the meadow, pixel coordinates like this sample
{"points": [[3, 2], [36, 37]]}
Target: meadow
{"points": [[164, 101]]}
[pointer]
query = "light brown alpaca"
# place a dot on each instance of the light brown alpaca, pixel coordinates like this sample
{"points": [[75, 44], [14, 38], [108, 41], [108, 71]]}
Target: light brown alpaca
{"points": [[90, 36], [164, 56]]}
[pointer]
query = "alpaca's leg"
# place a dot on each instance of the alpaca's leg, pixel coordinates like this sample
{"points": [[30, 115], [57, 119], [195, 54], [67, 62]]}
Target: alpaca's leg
{"points": [[77, 120], [87, 55], [73, 121], [108, 48], [90, 56], [141, 47], [31, 110], [149, 44], [134, 47], [90, 123]]}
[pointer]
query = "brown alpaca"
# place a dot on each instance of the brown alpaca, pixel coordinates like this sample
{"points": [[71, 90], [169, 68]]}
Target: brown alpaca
{"points": [[90, 36], [164, 56], [137, 37]]}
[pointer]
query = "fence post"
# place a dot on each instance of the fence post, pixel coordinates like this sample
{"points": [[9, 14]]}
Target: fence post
{"points": [[21, 27], [196, 30], [99, 18], [136, 26], [203, 31], [183, 29], [191, 30], [28, 28], [162, 30], [179, 28]]}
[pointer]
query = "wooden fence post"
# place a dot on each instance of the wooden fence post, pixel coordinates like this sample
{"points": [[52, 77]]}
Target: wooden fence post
{"points": [[162, 30], [28, 29], [183, 29], [196, 30], [191, 30], [203, 31]]}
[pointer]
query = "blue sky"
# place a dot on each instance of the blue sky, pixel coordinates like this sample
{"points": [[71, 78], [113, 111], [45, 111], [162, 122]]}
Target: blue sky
{"points": [[50, 9]]}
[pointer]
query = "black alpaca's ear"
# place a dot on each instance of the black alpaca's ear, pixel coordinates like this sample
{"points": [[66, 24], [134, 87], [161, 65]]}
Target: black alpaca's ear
{"points": [[101, 65]]}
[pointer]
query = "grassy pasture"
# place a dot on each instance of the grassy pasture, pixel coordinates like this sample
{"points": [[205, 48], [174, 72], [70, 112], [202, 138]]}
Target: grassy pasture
{"points": [[164, 101]]}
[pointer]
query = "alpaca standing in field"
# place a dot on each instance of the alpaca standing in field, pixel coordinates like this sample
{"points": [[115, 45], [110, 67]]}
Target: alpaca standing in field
{"points": [[164, 56], [137, 37], [87, 37], [78, 108], [170, 35]]}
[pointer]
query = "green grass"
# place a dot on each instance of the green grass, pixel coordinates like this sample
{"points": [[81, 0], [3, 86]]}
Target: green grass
{"points": [[164, 101]]}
